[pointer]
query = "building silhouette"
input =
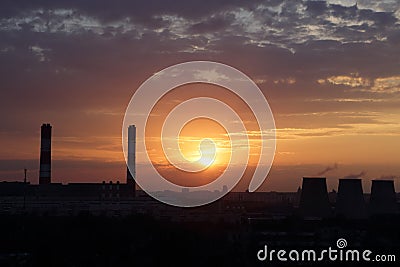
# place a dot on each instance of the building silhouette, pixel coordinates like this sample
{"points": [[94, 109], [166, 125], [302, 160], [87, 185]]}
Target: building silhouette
{"points": [[314, 200], [59, 194], [45, 155], [311, 200], [350, 201], [383, 197]]}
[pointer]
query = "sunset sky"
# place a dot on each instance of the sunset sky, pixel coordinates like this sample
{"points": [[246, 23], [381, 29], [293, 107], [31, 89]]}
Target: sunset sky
{"points": [[330, 71]]}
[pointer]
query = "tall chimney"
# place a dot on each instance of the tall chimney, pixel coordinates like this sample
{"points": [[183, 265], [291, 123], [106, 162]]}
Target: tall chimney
{"points": [[350, 200], [314, 200], [383, 197], [131, 168], [45, 155]]}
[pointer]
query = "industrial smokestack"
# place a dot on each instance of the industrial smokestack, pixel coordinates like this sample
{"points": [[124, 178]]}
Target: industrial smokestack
{"points": [[314, 200], [350, 200], [383, 197], [45, 155], [131, 168]]}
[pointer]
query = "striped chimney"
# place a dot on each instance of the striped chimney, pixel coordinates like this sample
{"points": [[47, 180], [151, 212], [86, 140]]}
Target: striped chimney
{"points": [[45, 155]]}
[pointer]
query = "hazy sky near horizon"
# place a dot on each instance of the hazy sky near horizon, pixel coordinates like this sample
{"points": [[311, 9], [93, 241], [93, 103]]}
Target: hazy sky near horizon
{"points": [[329, 69]]}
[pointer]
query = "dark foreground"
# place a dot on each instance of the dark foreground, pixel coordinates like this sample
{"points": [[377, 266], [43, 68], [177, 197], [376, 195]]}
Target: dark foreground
{"points": [[139, 240]]}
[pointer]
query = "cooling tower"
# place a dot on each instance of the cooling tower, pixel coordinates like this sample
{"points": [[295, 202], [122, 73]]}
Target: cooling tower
{"points": [[350, 200], [383, 197], [314, 198], [45, 155], [131, 169]]}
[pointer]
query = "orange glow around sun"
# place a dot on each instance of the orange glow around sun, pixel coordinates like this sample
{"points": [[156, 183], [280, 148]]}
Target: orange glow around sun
{"points": [[211, 154], [202, 138]]}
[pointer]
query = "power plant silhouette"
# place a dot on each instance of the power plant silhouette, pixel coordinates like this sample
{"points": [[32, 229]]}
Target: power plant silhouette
{"points": [[383, 197], [45, 156], [312, 200], [350, 201], [80, 191]]}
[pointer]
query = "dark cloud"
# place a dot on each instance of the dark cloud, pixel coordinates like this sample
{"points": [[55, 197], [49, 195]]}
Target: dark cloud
{"points": [[108, 55], [211, 25], [141, 10], [316, 8]]}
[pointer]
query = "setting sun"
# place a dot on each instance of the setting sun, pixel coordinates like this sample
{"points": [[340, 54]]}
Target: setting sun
{"points": [[208, 150], [205, 148]]}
